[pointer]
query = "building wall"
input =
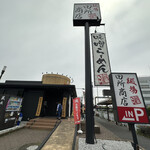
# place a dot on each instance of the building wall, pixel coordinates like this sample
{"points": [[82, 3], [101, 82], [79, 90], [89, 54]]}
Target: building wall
{"points": [[145, 87], [30, 103], [31, 91], [7, 118]]}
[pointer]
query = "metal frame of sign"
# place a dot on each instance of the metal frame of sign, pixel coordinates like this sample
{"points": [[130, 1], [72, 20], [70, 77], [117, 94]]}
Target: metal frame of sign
{"points": [[114, 100], [93, 19], [103, 50]]}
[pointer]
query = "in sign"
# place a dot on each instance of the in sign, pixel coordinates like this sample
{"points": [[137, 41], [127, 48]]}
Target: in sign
{"points": [[130, 116], [127, 114]]}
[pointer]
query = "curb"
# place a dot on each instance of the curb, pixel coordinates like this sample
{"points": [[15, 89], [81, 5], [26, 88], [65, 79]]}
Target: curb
{"points": [[74, 139], [9, 130]]}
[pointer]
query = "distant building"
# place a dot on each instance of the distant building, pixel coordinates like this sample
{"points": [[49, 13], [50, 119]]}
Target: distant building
{"points": [[145, 87]]}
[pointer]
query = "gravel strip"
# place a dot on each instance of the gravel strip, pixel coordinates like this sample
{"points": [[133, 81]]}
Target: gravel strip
{"points": [[104, 145]]}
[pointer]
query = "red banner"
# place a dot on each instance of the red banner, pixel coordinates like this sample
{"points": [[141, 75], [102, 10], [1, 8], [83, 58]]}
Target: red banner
{"points": [[76, 110]]}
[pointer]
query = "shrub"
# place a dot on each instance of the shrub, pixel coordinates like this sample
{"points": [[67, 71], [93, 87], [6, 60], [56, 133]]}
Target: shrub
{"points": [[148, 111]]}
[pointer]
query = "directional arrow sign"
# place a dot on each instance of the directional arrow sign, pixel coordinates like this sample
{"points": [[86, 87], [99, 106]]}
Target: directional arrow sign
{"points": [[128, 119]]}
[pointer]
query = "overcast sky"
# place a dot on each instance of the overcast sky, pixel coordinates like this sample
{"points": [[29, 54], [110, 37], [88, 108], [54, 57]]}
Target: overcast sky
{"points": [[38, 36]]}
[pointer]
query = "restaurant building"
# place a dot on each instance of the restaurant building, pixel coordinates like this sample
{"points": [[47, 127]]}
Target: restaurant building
{"points": [[35, 98]]}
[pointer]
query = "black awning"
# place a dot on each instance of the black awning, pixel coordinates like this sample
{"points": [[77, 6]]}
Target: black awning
{"points": [[38, 85], [107, 102]]}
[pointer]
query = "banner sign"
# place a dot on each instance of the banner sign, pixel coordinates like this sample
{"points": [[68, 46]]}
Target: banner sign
{"points": [[100, 59], [86, 12], [76, 110], [14, 104], [64, 103], [38, 111], [127, 98]]}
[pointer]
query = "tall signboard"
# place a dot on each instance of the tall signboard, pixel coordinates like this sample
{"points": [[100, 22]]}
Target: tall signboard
{"points": [[127, 98], [86, 12], [101, 61]]}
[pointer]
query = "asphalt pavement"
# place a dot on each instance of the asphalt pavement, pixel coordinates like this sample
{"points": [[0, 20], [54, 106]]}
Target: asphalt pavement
{"points": [[123, 132], [22, 138]]}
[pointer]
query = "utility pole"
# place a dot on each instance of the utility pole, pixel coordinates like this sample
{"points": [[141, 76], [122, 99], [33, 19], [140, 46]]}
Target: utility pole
{"points": [[2, 72]]}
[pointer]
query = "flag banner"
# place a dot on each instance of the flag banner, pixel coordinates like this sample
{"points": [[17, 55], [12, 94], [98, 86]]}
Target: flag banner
{"points": [[64, 103], [76, 110], [101, 62], [38, 111]]}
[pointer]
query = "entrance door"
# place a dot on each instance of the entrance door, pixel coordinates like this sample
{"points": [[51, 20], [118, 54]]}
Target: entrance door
{"points": [[51, 98]]}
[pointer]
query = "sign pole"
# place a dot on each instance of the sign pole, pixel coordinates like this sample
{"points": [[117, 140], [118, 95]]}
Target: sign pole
{"points": [[128, 101], [88, 90], [135, 141], [88, 14]]}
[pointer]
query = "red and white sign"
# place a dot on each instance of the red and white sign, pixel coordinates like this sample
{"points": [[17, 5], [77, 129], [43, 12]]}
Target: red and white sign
{"points": [[86, 11], [100, 59], [76, 110], [129, 100]]}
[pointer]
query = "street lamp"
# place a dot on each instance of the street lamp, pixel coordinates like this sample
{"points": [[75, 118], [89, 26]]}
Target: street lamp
{"points": [[3, 70]]}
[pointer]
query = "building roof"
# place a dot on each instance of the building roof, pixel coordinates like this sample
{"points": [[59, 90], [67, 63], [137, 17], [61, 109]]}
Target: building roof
{"points": [[38, 85]]}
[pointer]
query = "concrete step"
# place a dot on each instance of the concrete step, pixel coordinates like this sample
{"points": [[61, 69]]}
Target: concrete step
{"points": [[40, 127], [42, 123], [43, 120]]}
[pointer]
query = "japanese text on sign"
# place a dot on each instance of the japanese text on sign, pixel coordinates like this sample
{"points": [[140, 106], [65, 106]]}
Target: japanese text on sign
{"points": [[2, 100], [128, 91], [100, 59], [86, 11], [129, 101], [76, 110]]}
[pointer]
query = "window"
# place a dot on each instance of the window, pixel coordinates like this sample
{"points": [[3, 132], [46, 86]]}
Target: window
{"points": [[146, 98], [143, 81], [146, 92], [144, 86]]}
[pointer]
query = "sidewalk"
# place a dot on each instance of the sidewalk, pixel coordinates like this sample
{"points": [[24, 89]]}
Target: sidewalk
{"points": [[62, 138], [104, 134]]}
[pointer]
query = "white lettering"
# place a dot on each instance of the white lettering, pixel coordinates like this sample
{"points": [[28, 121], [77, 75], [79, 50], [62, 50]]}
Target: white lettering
{"points": [[130, 113], [137, 115], [3, 98]]}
